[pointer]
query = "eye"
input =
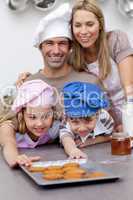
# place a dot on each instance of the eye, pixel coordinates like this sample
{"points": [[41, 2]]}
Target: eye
{"points": [[48, 43], [47, 115], [90, 119], [63, 43], [77, 25], [75, 122], [33, 117], [90, 24]]}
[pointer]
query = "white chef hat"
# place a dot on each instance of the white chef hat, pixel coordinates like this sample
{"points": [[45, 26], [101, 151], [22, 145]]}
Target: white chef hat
{"points": [[55, 24]]}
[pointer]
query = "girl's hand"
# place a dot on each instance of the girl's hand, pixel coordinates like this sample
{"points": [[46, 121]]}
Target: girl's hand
{"points": [[77, 153], [21, 78], [26, 160]]}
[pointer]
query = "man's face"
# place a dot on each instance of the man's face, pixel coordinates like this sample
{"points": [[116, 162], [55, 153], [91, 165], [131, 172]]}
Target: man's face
{"points": [[55, 51]]}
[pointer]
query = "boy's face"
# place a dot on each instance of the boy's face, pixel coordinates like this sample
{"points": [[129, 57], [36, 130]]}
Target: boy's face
{"points": [[82, 126], [38, 119]]}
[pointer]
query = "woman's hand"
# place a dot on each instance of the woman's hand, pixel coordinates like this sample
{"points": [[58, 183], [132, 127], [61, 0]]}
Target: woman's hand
{"points": [[77, 153], [21, 78]]}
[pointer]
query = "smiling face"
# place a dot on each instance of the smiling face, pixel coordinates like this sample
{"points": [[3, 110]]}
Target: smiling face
{"points": [[55, 51], [85, 28], [82, 126], [38, 120]]}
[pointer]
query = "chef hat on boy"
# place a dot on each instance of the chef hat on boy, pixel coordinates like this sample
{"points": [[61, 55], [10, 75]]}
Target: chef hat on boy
{"points": [[83, 99], [34, 93], [55, 24]]}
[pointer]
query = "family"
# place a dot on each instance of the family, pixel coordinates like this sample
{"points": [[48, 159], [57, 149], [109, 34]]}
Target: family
{"points": [[78, 94]]}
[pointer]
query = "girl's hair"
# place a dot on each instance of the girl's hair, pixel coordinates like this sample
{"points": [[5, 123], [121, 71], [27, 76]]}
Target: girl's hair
{"points": [[77, 57], [21, 122]]}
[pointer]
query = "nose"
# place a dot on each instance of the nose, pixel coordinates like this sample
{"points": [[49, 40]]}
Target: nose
{"points": [[82, 128], [39, 123], [56, 49], [83, 30]]}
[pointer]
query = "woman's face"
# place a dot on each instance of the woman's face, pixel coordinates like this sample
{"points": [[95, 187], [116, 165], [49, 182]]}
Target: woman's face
{"points": [[85, 28], [38, 119]]}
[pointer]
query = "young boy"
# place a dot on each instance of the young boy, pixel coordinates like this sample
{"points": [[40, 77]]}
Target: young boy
{"points": [[87, 122]]}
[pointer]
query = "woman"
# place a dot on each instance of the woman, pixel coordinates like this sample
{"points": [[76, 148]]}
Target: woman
{"points": [[106, 54]]}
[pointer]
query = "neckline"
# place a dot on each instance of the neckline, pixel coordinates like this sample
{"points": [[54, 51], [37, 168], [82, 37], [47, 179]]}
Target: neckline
{"points": [[56, 78]]}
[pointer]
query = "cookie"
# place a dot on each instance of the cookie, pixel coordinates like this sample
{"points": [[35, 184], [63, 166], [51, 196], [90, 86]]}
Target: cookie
{"points": [[52, 176], [36, 169]]}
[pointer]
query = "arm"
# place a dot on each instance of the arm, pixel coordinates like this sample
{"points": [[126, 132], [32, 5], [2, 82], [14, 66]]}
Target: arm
{"points": [[97, 140], [8, 143], [71, 148], [122, 53], [9, 147], [126, 74]]}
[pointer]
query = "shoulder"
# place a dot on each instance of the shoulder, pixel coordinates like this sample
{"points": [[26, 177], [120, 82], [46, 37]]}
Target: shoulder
{"points": [[85, 76], [54, 130], [119, 45], [103, 114], [66, 131], [106, 120], [37, 75], [115, 34], [118, 38]]}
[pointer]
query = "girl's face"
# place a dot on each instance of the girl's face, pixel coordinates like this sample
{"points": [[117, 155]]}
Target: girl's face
{"points": [[38, 119], [82, 126], [85, 28]]}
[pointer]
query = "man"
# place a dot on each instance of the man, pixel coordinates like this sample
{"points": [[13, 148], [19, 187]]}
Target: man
{"points": [[53, 39]]}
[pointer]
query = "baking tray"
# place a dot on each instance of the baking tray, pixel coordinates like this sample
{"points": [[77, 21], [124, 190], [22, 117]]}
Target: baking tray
{"points": [[89, 166]]}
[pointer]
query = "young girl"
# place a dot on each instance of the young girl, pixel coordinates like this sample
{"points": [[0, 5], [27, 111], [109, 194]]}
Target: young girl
{"points": [[34, 106], [108, 55], [87, 122]]}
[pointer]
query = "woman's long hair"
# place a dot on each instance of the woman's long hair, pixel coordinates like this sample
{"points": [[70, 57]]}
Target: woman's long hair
{"points": [[77, 57]]}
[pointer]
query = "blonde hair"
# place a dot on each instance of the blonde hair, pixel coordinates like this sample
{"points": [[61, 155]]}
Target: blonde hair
{"points": [[77, 56], [21, 122]]}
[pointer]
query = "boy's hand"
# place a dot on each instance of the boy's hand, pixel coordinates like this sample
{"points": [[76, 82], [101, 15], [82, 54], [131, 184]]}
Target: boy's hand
{"points": [[77, 153], [26, 160]]}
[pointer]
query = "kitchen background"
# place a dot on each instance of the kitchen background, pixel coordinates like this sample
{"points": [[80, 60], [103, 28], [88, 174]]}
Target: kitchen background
{"points": [[16, 32]]}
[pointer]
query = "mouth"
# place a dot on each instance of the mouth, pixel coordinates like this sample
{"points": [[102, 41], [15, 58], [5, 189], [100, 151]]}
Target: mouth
{"points": [[39, 130], [83, 134], [84, 40], [55, 59]]}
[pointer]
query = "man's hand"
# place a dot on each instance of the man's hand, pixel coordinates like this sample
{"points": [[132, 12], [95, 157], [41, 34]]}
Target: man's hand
{"points": [[21, 78]]}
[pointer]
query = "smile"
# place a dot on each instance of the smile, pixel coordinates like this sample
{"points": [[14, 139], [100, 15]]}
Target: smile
{"points": [[39, 130], [84, 39], [83, 133], [55, 59]]}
